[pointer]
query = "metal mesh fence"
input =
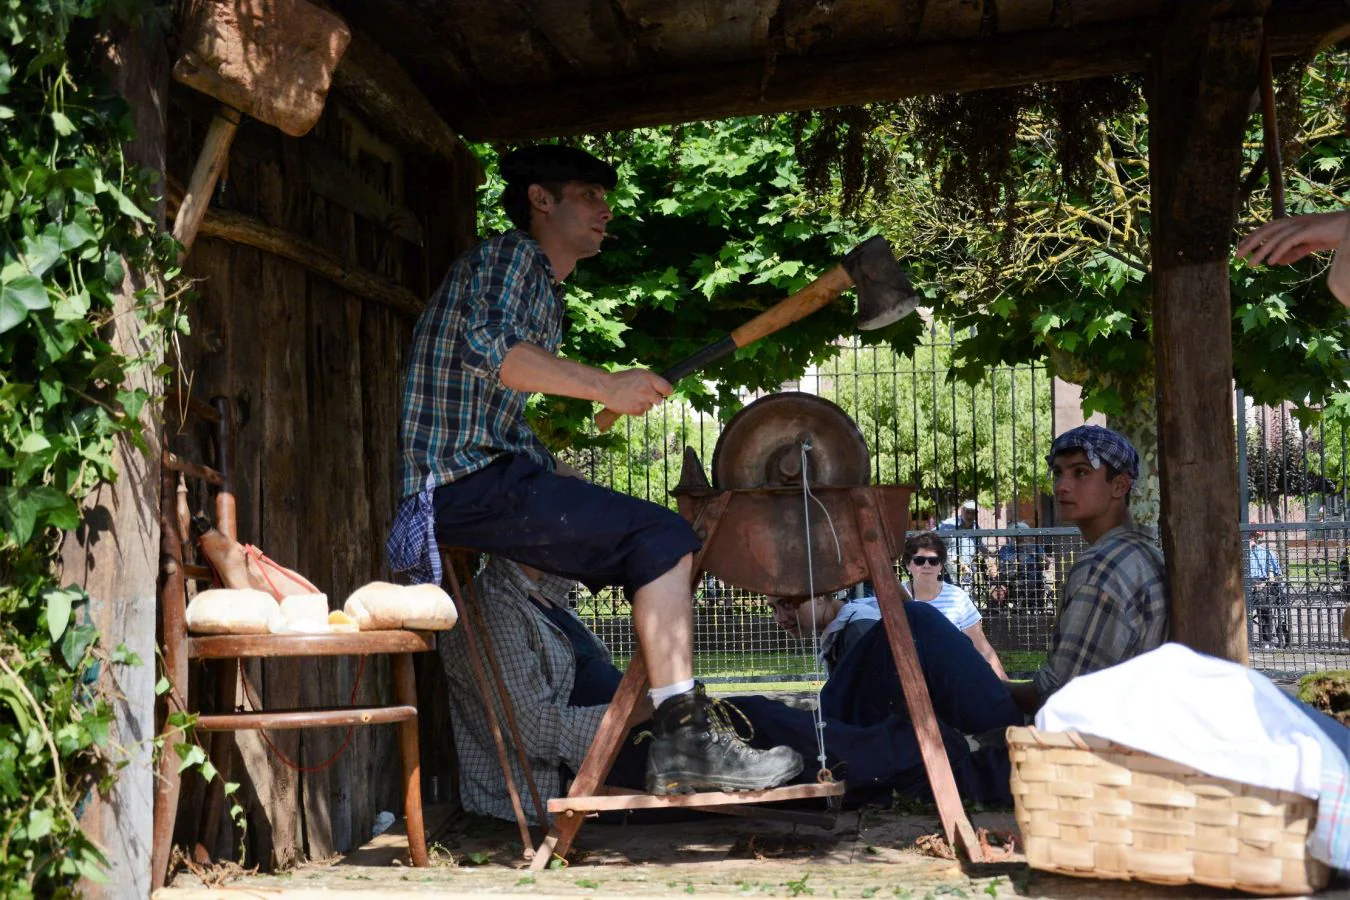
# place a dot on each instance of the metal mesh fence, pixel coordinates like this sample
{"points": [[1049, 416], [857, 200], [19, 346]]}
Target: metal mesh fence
{"points": [[986, 441], [1297, 585], [1014, 577]]}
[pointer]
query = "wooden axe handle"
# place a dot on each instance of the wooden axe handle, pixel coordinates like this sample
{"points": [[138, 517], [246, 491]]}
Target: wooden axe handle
{"points": [[815, 295], [215, 153]]}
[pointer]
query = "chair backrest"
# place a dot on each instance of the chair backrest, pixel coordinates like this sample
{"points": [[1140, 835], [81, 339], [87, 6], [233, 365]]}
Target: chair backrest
{"points": [[187, 421]]}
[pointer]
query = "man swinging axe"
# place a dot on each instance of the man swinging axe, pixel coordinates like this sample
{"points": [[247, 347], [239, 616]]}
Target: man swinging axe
{"points": [[474, 475]]}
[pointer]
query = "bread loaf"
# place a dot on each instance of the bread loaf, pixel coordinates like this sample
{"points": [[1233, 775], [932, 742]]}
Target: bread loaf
{"points": [[381, 606], [233, 611]]}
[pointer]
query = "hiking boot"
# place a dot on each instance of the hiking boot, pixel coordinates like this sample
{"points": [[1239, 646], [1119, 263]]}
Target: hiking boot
{"points": [[696, 748]]}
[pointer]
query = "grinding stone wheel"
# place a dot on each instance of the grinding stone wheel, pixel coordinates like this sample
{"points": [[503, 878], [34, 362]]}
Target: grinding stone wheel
{"points": [[761, 445]]}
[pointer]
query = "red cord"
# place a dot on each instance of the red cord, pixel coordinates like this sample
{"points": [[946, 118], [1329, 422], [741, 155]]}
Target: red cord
{"points": [[257, 707]]}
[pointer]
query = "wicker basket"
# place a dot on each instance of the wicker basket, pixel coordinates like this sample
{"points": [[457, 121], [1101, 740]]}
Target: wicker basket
{"points": [[1093, 808]]}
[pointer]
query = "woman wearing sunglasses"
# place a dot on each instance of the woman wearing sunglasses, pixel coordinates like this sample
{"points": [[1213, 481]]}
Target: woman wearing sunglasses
{"points": [[926, 558]]}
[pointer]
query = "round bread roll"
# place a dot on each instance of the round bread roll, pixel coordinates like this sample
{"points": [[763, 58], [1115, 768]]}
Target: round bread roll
{"points": [[428, 608], [233, 611], [381, 606]]}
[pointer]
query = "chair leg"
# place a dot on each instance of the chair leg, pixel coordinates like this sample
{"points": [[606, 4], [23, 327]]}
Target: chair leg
{"points": [[405, 692], [166, 813], [227, 683]]}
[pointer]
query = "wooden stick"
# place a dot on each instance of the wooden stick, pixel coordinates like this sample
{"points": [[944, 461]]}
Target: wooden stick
{"points": [[959, 832], [244, 229], [1270, 130], [599, 760], [215, 153], [485, 693]]}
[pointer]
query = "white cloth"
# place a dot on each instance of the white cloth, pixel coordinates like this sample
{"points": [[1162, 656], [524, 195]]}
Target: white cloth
{"points": [[1210, 714], [954, 603]]}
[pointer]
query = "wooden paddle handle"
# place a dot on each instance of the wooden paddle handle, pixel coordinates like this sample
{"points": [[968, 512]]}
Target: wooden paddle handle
{"points": [[215, 153]]}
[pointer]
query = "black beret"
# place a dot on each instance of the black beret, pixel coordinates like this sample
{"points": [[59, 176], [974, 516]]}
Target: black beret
{"points": [[554, 162]]}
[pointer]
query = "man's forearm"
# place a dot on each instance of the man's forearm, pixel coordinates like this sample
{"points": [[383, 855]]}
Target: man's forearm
{"points": [[533, 370]]}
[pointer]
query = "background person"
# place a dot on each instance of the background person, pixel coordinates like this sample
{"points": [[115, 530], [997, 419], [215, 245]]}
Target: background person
{"points": [[967, 553], [1022, 565], [1268, 599], [925, 558]]}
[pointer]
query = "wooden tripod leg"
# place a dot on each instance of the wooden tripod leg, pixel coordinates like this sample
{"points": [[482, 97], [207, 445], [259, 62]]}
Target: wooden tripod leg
{"points": [[599, 760], [959, 832], [475, 609], [485, 692]]}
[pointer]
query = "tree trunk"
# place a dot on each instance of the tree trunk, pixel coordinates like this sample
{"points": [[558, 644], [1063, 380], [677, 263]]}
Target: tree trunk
{"points": [[1139, 423]]}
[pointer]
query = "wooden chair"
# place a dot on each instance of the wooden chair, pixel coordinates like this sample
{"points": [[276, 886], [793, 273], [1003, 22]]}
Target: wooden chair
{"points": [[178, 565]]}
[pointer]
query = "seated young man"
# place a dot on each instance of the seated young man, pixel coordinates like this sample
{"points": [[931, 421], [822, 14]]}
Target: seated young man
{"points": [[867, 721], [1115, 604]]}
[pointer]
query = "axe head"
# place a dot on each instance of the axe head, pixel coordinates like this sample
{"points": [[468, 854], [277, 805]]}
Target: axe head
{"points": [[884, 292]]}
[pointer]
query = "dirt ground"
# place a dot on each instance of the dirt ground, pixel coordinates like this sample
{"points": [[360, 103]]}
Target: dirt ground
{"points": [[885, 855]]}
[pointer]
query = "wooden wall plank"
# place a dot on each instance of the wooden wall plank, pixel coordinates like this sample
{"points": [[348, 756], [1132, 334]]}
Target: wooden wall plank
{"points": [[945, 20], [1023, 15], [805, 25], [116, 559], [283, 487], [696, 34]]}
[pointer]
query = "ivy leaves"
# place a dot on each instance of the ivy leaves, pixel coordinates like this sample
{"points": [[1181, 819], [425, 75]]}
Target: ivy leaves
{"points": [[72, 224]]}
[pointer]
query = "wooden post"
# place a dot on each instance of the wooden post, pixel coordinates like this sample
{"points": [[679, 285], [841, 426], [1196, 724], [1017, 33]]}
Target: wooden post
{"points": [[1200, 89], [115, 556]]}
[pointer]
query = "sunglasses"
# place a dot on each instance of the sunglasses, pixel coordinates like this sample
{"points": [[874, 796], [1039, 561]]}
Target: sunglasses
{"points": [[926, 560]]}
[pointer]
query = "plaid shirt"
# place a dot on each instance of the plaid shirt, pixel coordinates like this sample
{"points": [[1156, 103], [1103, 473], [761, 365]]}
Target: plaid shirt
{"points": [[1115, 608], [538, 669], [457, 415]]}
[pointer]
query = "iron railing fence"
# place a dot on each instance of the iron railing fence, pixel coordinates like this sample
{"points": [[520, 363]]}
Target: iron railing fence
{"points": [[952, 441], [987, 442], [1016, 579], [1296, 596], [1014, 576]]}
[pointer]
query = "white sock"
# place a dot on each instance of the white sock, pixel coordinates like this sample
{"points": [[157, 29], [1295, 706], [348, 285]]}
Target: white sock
{"points": [[662, 694]]}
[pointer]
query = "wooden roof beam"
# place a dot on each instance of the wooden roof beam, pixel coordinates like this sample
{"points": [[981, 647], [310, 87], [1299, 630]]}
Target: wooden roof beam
{"points": [[815, 82]]}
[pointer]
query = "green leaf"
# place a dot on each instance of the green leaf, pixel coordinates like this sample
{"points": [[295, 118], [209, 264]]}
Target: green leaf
{"points": [[18, 297], [125, 204], [33, 443], [190, 754], [75, 642], [59, 604], [39, 824], [63, 124], [163, 686], [18, 705]]}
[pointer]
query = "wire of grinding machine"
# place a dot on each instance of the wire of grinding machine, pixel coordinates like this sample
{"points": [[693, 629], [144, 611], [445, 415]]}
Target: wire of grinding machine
{"points": [[823, 773]]}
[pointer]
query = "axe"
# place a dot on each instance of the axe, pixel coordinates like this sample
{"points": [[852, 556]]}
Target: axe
{"points": [[884, 296]]}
